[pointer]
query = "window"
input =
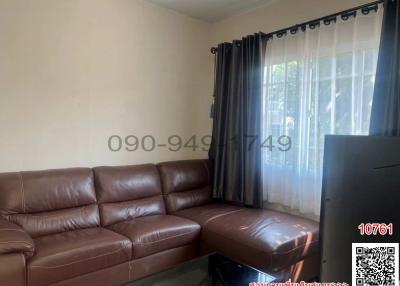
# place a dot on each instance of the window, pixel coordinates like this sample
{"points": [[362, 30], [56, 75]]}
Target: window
{"points": [[316, 82]]}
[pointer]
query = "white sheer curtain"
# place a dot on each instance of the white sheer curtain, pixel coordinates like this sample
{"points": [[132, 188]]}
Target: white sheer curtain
{"points": [[318, 81]]}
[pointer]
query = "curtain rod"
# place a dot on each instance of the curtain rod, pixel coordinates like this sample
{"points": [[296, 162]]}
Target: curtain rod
{"points": [[327, 19]]}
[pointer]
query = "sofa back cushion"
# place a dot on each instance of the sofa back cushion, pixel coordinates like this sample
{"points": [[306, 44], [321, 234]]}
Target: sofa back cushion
{"points": [[128, 192], [51, 201], [186, 183]]}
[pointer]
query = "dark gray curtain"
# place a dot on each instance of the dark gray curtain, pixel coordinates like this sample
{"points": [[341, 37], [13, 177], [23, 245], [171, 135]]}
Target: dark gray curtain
{"points": [[235, 148], [385, 116]]}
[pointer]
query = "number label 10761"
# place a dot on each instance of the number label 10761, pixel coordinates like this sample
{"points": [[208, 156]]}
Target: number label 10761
{"points": [[376, 229]]}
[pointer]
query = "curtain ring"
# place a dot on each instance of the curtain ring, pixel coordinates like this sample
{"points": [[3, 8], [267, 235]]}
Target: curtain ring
{"points": [[281, 34], [329, 21], [313, 25], [346, 16], [365, 11], [293, 31]]}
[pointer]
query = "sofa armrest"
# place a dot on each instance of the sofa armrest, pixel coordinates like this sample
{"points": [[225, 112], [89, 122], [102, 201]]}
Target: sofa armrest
{"points": [[13, 269], [13, 239]]}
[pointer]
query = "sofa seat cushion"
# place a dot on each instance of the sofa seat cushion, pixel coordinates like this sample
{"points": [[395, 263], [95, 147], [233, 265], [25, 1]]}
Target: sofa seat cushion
{"points": [[66, 255], [206, 213], [267, 240], [153, 234]]}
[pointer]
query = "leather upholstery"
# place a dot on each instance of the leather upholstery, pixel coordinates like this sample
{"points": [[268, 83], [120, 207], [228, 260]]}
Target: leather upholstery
{"points": [[183, 200], [204, 214], [62, 195], [265, 239], [125, 183], [12, 269], [128, 192], [186, 184], [152, 234], [162, 260], [13, 239], [135, 269], [46, 223], [50, 220], [112, 276], [69, 254], [57, 189], [117, 212]]}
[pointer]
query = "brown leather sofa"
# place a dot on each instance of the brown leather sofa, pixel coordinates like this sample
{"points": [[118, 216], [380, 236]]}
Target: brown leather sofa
{"points": [[112, 225]]}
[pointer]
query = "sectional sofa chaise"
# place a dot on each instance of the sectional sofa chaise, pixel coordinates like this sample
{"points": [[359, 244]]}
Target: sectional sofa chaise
{"points": [[111, 225]]}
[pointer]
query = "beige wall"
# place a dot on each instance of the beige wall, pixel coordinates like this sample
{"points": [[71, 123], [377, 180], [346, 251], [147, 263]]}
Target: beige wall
{"points": [[278, 15], [74, 72]]}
